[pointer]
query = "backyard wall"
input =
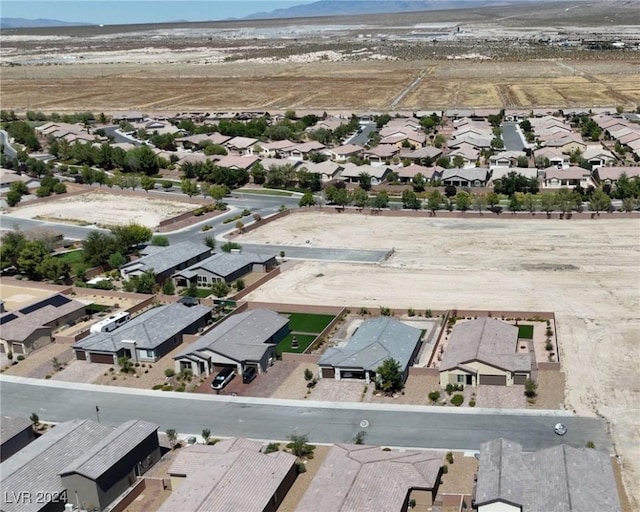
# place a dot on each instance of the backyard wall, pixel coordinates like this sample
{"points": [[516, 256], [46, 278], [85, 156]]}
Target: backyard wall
{"points": [[267, 277], [301, 358]]}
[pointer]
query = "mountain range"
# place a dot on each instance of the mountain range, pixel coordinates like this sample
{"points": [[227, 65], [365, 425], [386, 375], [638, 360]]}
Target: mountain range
{"points": [[37, 23]]}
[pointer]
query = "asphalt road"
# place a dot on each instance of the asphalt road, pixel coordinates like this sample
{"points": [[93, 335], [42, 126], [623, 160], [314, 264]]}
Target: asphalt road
{"points": [[8, 148], [118, 136], [362, 138], [511, 137], [324, 422]]}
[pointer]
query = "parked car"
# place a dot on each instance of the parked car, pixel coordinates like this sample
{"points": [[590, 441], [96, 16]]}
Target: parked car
{"points": [[223, 378], [249, 374]]}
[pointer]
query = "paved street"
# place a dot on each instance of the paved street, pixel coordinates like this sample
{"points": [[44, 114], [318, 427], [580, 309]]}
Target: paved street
{"points": [[411, 426], [511, 137]]}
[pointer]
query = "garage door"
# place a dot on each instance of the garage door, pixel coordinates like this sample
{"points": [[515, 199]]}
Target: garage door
{"points": [[328, 373], [2, 349], [495, 380], [18, 348], [519, 379], [102, 358], [81, 355]]}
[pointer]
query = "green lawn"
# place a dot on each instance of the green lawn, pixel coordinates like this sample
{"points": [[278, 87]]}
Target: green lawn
{"points": [[306, 322], [525, 332], [304, 340], [75, 259], [201, 293], [264, 192]]}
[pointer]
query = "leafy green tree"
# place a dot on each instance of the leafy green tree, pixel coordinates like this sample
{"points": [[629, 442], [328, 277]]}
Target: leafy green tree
{"points": [[522, 161], [530, 388], [497, 143], [116, 260], [130, 236], [381, 200], [515, 182], [145, 282], [12, 243], [342, 197], [567, 200], [458, 161], [548, 201], [218, 192], [210, 242], [529, 202], [220, 289], [172, 436], [515, 203], [410, 200], [439, 141], [307, 199], [419, 182], [147, 183], [628, 204], [599, 201], [258, 174], [13, 197], [463, 201], [53, 269], [443, 162], [188, 187], [389, 376], [142, 160], [434, 200], [159, 241], [30, 258], [168, 288], [97, 248], [299, 446], [479, 202], [364, 179], [492, 199], [360, 198]]}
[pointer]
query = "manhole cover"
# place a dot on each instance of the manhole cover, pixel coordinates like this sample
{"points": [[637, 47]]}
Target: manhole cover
{"points": [[364, 423]]}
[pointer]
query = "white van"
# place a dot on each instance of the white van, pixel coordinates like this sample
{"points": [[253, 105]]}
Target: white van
{"points": [[111, 323]]}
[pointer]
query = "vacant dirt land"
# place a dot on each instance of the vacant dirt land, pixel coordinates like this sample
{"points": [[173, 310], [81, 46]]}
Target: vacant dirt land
{"points": [[585, 271], [104, 210]]}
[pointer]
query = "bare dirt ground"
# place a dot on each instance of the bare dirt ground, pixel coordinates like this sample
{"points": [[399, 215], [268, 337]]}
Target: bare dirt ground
{"points": [[585, 271], [103, 210]]}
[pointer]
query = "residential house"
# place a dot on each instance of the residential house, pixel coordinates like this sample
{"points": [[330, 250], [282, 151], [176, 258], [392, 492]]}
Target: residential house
{"points": [[241, 145], [505, 159], [227, 267], [231, 475], [196, 158], [159, 127], [375, 340], [273, 163], [327, 170], [351, 173], [244, 339], [380, 154], [467, 153], [553, 156], [8, 177], [557, 479], [405, 139], [145, 338], [270, 149], [473, 139], [571, 177], [471, 177], [406, 174], [420, 154], [516, 115], [166, 261], [131, 117], [485, 351], [366, 479], [331, 123], [500, 172], [15, 434], [343, 153], [30, 327], [90, 463], [597, 156], [202, 139], [567, 143], [244, 163], [458, 113], [610, 175], [301, 151]]}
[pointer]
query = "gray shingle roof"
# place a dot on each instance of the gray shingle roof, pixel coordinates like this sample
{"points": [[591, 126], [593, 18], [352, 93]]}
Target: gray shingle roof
{"points": [[365, 478], [488, 340], [35, 468], [240, 337], [168, 258], [373, 342], [10, 427], [237, 479], [109, 450], [557, 479], [149, 329], [224, 264]]}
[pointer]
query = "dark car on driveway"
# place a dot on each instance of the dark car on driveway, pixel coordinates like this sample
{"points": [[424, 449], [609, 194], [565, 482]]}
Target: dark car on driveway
{"points": [[223, 378], [248, 374]]}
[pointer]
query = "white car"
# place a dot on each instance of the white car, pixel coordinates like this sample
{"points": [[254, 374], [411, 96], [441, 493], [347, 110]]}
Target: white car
{"points": [[560, 429], [223, 378]]}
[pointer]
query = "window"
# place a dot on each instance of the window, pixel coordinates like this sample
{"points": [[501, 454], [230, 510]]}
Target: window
{"points": [[460, 378], [147, 354]]}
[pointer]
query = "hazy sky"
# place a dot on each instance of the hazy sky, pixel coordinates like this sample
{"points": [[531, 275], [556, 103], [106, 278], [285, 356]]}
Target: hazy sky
{"points": [[139, 11]]}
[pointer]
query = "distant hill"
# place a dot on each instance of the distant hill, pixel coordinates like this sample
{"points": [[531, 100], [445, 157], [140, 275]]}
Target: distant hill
{"points": [[337, 7], [37, 23]]}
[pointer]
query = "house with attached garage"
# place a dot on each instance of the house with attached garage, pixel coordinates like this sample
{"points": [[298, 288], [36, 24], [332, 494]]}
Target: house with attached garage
{"points": [[241, 145], [145, 338], [374, 341], [556, 479], [344, 152], [420, 154], [380, 154], [610, 175], [327, 170], [225, 267], [301, 151], [597, 156], [471, 177], [485, 351], [238, 162], [166, 261], [572, 177], [244, 339], [351, 173]]}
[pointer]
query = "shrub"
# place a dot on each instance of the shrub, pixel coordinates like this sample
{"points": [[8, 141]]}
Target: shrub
{"points": [[385, 311], [450, 457], [167, 387], [457, 400], [363, 311], [548, 346], [169, 372], [10, 355], [530, 388], [20, 357], [472, 403], [157, 386], [445, 469], [411, 312], [386, 449], [359, 437], [272, 447], [590, 444], [301, 468], [449, 389], [434, 396], [180, 388]]}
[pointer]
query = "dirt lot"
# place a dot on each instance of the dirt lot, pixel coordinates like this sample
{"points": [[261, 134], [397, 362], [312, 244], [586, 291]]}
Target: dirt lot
{"points": [[585, 271], [103, 210]]}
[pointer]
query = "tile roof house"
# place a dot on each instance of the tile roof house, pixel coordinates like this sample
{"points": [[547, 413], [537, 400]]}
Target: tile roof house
{"points": [[168, 260], [84, 462], [327, 170], [556, 479], [485, 351], [30, 327], [15, 434], [597, 156], [571, 177], [351, 172], [431, 152], [238, 162], [374, 341], [241, 145], [380, 154], [505, 159], [300, 151], [470, 177], [468, 153], [232, 475], [202, 138], [270, 149], [610, 175], [406, 174], [344, 152], [555, 158], [224, 267], [145, 338], [244, 339], [359, 478]]}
